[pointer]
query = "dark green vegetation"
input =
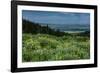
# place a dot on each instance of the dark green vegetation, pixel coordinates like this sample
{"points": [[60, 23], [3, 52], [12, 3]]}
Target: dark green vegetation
{"points": [[41, 43], [35, 28]]}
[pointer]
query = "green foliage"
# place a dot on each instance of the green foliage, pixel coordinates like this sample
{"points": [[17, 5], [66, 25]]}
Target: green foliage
{"points": [[34, 28], [45, 47], [41, 43]]}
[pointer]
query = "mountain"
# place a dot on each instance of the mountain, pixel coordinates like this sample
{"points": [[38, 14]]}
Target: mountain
{"points": [[68, 27]]}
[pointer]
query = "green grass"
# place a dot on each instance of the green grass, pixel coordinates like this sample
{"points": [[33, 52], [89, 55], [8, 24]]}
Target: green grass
{"points": [[45, 47]]}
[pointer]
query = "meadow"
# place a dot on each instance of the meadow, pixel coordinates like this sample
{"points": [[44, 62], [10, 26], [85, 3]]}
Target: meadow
{"points": [[46, 47]]}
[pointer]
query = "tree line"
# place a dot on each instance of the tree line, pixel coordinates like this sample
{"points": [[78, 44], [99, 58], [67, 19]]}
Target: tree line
{"points": [[34, 28]]}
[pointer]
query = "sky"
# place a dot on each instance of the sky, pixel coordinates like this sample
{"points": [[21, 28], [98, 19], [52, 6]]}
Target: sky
{"points": [[49, 17]]}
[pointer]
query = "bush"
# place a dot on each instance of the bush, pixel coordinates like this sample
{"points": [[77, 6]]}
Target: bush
{"points": [[44, 47]]}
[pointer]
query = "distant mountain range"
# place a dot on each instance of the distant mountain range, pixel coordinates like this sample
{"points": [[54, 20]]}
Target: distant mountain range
{"points": [[68, 27]]}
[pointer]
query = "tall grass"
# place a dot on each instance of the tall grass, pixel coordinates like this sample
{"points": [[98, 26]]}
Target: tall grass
{"points": [[45, 47]]}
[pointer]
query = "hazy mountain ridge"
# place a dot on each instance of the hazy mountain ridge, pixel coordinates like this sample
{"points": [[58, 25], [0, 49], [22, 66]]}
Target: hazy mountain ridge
{"points": [[68, 27]]}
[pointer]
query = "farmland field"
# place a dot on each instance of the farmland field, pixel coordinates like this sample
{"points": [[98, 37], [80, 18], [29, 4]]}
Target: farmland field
{"points": [[45, 47]]}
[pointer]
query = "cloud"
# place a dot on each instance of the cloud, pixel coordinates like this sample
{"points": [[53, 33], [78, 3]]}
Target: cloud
{"points": [[56, 17]]}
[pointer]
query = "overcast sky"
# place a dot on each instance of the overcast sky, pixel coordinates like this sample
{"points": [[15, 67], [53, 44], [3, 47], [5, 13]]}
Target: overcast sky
{"points": [[56, 17]]}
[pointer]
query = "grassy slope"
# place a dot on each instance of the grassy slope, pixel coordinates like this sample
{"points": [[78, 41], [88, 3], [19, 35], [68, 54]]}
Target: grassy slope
{"points": [[45, 47]]}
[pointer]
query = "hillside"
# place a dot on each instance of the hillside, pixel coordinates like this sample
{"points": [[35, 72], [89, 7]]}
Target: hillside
{"points": [[34, 28]]}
